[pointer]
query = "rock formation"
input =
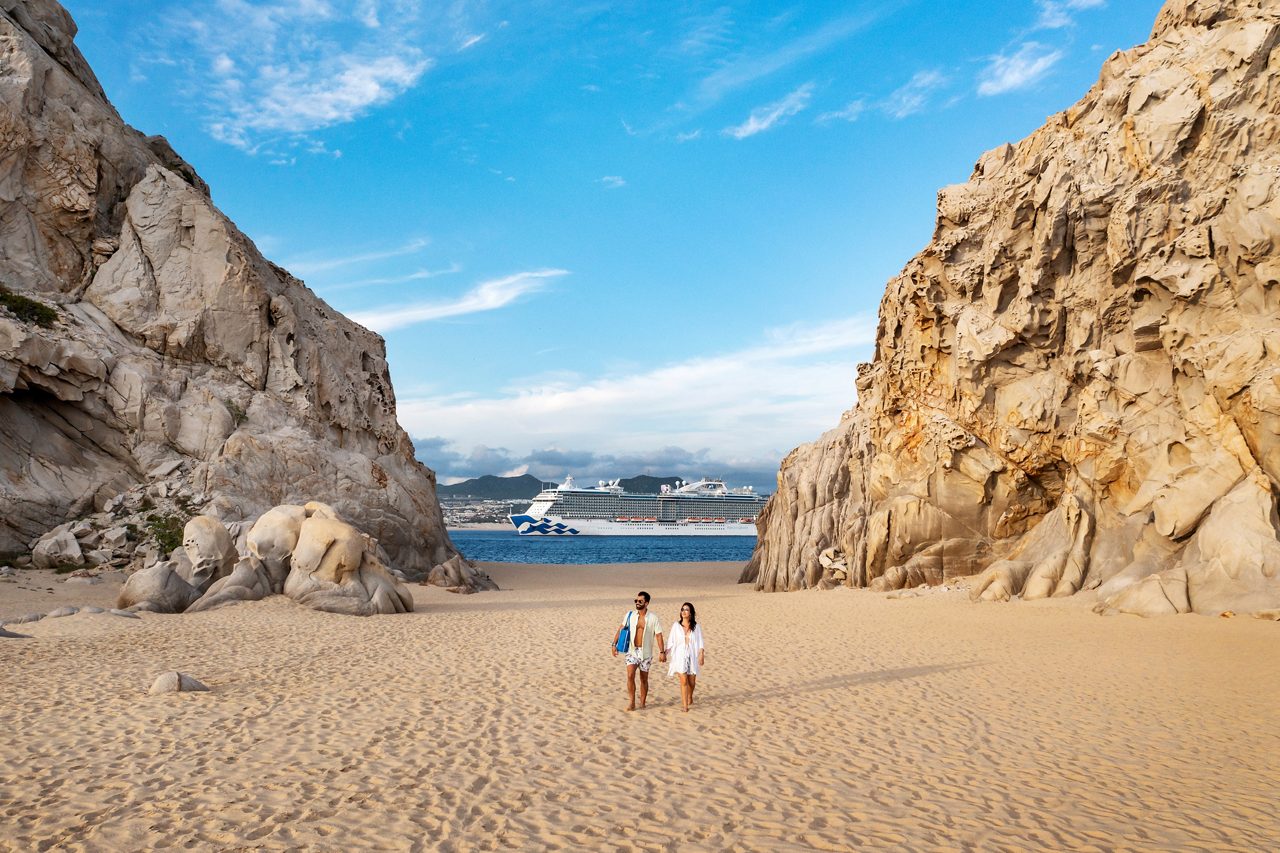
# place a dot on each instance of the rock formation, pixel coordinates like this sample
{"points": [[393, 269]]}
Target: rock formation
{"points": [[182, 369], [1076, 385], [329, 565]]}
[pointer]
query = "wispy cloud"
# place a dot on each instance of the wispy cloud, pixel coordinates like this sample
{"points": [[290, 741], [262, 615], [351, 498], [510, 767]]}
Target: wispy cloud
{"points": [[416, 275], [302, 266], [914, 96], [487, 296], [851, 112], [1008, 73], [613, 182], [747, 69], [769, 115], [689, 136], [707, 33], [1055, 14], [787, 388], [471, 41]]}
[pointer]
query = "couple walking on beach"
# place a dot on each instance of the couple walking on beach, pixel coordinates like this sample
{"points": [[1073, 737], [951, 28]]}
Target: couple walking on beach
{"points": [[641, 632]]}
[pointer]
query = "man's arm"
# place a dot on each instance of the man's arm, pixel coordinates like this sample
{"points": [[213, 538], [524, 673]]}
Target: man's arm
{"points": [[613, 649]]}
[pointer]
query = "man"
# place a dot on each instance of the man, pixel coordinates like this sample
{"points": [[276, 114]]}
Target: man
{"points": [[646, 632]]}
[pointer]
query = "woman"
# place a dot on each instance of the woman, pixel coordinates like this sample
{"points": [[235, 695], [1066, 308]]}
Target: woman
{"points": [[684, 648]]}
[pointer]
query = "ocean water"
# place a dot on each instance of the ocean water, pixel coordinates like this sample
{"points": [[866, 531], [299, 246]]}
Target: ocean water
{"points": [[501, 546]]}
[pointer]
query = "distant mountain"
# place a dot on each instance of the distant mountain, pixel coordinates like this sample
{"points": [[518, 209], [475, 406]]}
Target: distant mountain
{"points": [[646, 485], [490, 487]]}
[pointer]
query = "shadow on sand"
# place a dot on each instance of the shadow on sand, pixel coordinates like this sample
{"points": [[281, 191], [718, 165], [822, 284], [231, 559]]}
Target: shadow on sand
{"points": [[834, 682]]}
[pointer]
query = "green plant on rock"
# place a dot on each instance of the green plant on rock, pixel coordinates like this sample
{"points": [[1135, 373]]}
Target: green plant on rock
{"points": [[166, 530], [27, 310], [64, 569]]}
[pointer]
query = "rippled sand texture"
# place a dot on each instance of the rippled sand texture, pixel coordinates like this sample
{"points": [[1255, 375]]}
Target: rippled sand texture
{"points": [[822, 720]]}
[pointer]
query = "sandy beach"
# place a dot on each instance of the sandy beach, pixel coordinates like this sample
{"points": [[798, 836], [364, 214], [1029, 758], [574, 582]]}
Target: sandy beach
{"points": [[823, 720]]}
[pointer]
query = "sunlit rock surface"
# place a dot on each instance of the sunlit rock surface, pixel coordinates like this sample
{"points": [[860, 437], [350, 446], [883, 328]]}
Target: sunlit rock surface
{"points": [[183, 364], [1076, 384]]}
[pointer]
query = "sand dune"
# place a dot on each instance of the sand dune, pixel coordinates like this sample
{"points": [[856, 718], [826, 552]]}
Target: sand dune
{"points": [[823, 721]]}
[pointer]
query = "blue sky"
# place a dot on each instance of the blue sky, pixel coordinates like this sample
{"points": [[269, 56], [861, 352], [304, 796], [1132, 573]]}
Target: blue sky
{"points": [[600, 238]]}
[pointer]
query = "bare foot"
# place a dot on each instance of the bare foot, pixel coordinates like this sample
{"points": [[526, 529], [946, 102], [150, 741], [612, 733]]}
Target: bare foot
{"points": [[685, 709], [631, 707]]}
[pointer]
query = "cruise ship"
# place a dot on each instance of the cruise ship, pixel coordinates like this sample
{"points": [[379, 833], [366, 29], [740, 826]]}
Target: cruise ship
{"points": [[704, 508]]}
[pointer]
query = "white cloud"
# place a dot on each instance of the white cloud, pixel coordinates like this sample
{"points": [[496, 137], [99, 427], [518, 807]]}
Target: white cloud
{"points": [[914, 96], [1055, 14], [367, 13], [472, 41], [751, 402], [301, 99], [689, 137], [487, 296], [765, 117], [265, 72], [613, 182], [302, 267], [748, 69], [416, 275], [851, 112], [1022, 69]]}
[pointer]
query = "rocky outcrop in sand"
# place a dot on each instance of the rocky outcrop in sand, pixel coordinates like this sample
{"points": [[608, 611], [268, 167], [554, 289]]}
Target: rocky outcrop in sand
{"points": [[1076, 385], [182, 366], [329, 566]]}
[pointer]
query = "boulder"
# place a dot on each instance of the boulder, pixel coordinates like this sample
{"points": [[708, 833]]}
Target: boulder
{"points": [[335, 568], [248, 581], [271, 541], [158, 589], [57, 549], [176, 682], [209, 550]]}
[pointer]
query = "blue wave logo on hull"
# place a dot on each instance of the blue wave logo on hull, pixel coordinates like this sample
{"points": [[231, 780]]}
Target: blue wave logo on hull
{"points": [[527, 525]]}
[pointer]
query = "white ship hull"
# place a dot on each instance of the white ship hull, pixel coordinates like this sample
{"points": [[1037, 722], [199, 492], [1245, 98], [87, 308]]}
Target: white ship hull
{"points": [[547, 525]]}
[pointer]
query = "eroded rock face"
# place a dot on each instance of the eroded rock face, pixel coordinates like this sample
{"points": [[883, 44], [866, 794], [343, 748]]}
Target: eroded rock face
{"points": [[182, 359], [1077, 382]]}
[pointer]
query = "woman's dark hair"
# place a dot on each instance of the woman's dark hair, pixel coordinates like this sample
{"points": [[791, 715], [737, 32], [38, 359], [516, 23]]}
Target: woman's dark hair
{"points": [[693, 615]]}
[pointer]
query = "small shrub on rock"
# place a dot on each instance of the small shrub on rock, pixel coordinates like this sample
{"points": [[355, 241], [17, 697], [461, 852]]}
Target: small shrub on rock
{"points": [[27, 310], [238, 415], [166, 530]]}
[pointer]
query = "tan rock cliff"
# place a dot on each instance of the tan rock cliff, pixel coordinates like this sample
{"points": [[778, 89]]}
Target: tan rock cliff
{"points": [[1076, 385], [183, 364]]}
